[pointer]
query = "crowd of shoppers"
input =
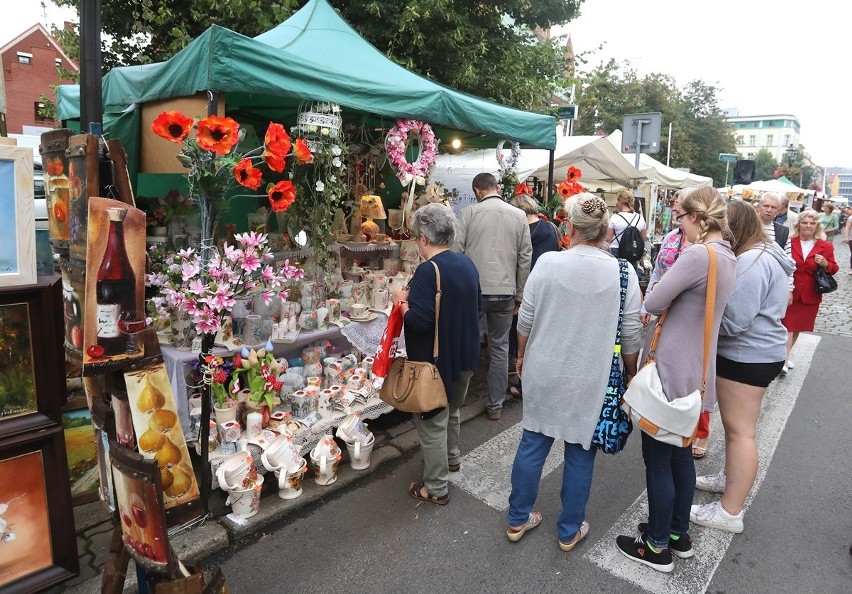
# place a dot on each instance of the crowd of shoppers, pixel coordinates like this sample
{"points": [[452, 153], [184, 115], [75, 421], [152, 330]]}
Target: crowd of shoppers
{"points": [[755, 271]]}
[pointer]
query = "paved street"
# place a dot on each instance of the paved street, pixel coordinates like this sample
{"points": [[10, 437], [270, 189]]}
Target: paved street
{"points": [[835, 313]]}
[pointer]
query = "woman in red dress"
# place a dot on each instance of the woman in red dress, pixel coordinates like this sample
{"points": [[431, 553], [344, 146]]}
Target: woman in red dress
{"points": [[809, 252]]}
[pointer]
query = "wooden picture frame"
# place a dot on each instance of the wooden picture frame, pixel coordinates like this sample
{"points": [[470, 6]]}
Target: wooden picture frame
{"points": [[31, 318], [17, 223], [42, 550]]}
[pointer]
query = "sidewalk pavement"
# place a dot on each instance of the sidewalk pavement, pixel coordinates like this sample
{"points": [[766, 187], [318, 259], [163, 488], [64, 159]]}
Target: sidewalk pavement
{"points": [[94, 525]]}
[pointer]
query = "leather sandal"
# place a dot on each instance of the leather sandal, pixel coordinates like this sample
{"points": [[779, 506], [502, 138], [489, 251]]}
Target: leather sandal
{"points": [[416, 490], [699, 451], [515, 534]]}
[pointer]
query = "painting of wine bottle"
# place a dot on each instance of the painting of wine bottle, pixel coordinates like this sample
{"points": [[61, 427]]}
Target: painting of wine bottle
{"points": [[114, 325]]}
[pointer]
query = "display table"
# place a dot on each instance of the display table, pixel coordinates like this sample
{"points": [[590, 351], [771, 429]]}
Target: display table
{"points": [[363, 336]]}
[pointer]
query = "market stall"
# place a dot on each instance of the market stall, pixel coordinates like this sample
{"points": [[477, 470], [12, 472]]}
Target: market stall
{"points": [[332, 139]]}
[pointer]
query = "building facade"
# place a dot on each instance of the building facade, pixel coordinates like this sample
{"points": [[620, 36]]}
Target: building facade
{"points": [[30, 63], [774, 132]]}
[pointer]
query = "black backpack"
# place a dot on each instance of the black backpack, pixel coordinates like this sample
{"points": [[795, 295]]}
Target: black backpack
{"points": [[631, 246]]}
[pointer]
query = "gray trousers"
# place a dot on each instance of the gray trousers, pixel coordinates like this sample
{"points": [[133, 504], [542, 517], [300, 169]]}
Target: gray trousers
{"points": [[498, 317], [439, 439]]}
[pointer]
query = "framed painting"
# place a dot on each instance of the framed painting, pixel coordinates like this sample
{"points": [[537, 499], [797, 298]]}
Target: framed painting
{"points": [[82, 454], [38, 547], [17, 225], [32, 391]]}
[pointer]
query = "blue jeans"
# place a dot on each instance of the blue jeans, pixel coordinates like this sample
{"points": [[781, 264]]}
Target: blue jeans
{"points": [[576, 482], [670, 478]]}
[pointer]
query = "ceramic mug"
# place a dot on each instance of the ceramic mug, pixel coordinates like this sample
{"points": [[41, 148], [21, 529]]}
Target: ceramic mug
{"points": [[281, 453], [391, 266], [233, 470], [290, 480], [245, 502], [359, 455]]}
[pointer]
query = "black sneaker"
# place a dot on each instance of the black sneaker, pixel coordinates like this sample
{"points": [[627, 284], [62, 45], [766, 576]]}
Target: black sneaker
{"points": [[682, 547], [637, 550]]}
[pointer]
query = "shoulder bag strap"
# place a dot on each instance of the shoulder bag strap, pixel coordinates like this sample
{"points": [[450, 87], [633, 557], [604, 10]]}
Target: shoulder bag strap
{"points": [[709, 308], [623, 280], [437, 308]]}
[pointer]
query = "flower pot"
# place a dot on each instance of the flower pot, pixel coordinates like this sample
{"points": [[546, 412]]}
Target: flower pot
{"points": [[262, 407], [225, 414], [245, 502]]}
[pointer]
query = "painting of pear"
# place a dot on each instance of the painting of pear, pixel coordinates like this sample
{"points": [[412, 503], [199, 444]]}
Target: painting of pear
{"points": [[168, 455], [150, 398], [151, 441], [162, 421]]}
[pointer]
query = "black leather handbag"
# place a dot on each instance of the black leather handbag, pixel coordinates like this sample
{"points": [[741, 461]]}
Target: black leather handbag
{"points": [[825, 283]]}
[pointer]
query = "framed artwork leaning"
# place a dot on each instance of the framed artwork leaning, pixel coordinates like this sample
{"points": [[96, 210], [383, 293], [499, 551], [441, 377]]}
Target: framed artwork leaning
{"points": [[38, 547], [32, 360], [17, 224]]}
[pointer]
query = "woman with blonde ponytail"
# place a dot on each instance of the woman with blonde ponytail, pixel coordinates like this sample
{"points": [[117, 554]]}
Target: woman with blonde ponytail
{"points": [[670, 470]]}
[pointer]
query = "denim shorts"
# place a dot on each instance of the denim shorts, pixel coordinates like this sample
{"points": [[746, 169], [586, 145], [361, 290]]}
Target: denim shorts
{"points": [[752, 374]]}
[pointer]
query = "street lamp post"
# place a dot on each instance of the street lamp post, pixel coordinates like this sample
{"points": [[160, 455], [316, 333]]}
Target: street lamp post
{"points": [[791, 153]]}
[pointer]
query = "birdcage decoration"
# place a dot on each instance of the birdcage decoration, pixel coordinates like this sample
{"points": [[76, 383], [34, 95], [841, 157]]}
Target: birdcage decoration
{"points": [[318, 121]]}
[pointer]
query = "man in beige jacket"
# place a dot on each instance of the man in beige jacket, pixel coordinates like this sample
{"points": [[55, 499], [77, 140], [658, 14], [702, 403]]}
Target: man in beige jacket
{"points": [[496, 236]]}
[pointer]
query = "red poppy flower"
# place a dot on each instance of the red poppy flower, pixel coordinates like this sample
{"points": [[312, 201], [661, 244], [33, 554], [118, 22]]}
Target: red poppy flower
{"points": [[302, 152], [275, 162], [246, 175], [217, 134], [523, 189], [282, 195], [567, 189], [277, 140], [172, 125], [574, 174]]}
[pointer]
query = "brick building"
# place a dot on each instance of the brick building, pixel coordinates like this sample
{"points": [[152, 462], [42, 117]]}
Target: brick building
{"points": [[29, 69]]}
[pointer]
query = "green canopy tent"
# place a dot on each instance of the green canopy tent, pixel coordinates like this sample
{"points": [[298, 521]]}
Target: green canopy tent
{"points": [[316, 55]]}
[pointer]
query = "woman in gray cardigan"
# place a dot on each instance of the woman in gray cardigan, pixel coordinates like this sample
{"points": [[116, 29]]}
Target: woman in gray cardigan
{"points": [[566, 334], [670, 470]]}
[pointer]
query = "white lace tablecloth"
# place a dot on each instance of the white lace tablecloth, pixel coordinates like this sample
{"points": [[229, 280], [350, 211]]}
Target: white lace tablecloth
{"points": [[366, 336]]}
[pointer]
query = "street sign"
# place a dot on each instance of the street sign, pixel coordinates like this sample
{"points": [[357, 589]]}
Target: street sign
{"points": [[643, 126], [728, 157], [566, 112]]}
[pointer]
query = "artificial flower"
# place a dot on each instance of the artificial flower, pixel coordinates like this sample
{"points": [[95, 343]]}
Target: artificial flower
{"points": [[247, 175], [172, 125], [523, 189], [277, 140], [282, 195], [276, 163], [217, 134], [574, 174], [567, 189], [302, 151], [320, 186]]}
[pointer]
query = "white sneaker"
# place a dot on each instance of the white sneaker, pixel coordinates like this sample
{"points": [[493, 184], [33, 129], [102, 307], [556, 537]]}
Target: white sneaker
{"points": [[784, 369], [790, 365], [714, 483], [713, 515]]}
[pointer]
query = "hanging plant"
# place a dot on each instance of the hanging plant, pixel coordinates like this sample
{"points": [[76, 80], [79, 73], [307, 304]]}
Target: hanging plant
{"points": [[508, 169], [398, 140]]}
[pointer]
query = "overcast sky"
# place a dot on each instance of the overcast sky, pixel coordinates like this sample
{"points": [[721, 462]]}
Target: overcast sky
{"points": [[769, 57]]}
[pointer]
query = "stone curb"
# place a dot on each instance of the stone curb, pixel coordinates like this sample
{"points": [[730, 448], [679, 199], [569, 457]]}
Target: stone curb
{"points": [[214, 536]]}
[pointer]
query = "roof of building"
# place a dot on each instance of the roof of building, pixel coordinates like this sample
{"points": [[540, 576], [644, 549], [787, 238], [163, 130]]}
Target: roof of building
{"points": [[47, 35]]}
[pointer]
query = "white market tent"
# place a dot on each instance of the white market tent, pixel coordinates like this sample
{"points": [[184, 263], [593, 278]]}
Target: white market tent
{"points": [[599, 161], [661, 174], [772, 185]]}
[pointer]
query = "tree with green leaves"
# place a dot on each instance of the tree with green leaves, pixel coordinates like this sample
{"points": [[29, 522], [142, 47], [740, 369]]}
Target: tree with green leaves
{"points": [[764, 164], [699, 132], [489, 50]]}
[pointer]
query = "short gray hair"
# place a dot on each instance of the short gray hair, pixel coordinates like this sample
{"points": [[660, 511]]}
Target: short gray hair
{"points": [[436, 223], [771, 195], [526, 203]]}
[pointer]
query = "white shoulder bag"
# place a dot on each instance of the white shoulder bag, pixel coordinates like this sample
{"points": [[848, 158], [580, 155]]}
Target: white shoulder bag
{"points": [[645, 401]]}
